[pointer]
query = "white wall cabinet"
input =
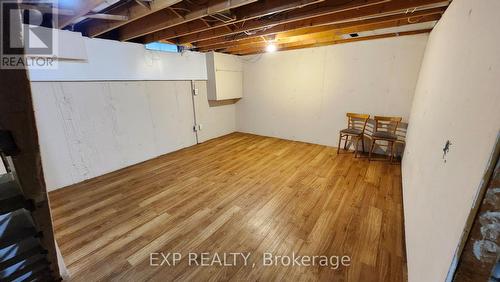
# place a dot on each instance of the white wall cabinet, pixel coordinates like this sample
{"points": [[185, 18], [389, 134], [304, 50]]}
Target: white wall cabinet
{"points": [[225, 76]]}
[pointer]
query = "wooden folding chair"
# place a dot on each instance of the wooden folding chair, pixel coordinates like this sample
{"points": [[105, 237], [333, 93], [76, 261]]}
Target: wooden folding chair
{"points": [[385, 130], [356, 124]]}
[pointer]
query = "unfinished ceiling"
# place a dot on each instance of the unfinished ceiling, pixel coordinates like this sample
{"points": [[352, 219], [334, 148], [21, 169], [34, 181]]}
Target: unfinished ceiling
{"points": [[247, 26]]}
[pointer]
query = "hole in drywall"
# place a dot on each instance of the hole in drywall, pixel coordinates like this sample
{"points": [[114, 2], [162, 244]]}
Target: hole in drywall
{"points": [[446, 149]]}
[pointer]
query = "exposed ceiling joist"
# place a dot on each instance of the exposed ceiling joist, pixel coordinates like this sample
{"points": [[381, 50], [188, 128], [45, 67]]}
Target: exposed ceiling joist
{"points": [[247, 26], [145, 4], [325, 8], [107, 17], [132, 10], [324, 42], [80, 9], [282, 31], [395, 6], [251, 11], [338, 33], [158, 21]]}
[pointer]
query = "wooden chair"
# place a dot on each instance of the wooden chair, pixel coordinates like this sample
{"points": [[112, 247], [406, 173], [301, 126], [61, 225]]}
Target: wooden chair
{"points": [[356, 124], [385, 130]]}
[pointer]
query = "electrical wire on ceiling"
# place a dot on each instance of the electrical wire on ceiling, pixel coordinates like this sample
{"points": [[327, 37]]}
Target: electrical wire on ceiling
{"points": [[228, 18], [267, 17], [214, 16], [180, 9], [255, 31], [250, 32], [284, 13], [271, 16], [411, 11]]}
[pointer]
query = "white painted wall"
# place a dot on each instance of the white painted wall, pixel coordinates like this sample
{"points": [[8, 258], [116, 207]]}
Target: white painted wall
{"points": [[87, 129], [457, 99], [122, 105], [216, 120], [304, 94], [113, 60]]}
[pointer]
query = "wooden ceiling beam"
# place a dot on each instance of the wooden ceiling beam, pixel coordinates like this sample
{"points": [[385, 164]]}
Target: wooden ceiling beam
{"points": [[158, 21], [248, 12], [325, 42], [315, 37], [80, 8], [333, 33], [145, 4], [296, 19], [328, 20], [132, 10], [324, 8], [107, 17], [228, 44], [280, 31]]}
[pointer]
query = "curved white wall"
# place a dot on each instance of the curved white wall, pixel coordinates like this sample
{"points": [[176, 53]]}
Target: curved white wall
{"points": [[457, 99]]}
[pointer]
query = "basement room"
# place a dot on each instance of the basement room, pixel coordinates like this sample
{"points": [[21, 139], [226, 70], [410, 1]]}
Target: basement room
{"points": [[250, 140]]}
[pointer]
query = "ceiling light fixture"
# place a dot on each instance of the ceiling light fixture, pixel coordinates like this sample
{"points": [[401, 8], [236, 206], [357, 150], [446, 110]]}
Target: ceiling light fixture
{"points": [[271, 48]]}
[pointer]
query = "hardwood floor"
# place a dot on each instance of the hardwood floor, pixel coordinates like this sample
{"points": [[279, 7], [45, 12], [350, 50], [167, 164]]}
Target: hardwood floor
{"points": [[238, 193]]}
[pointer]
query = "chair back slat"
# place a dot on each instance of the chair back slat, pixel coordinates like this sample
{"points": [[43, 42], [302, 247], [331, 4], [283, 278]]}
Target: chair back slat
{"points": [[357, 121], [388, 124], [359, 116]]}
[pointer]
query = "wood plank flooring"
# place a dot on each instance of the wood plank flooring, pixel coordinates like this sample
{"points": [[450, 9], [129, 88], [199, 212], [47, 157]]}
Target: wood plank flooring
{"points": [[237, 193]]}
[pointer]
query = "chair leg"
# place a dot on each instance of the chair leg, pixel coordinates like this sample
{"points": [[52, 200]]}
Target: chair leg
{"points": [[356, 147], [345, 143], [340, 139], [390, 144], [363, 142], [371, 150], [392, 151]]}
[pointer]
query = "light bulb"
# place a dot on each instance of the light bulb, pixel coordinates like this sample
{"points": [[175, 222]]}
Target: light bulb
{"points": [[271, 48]]}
